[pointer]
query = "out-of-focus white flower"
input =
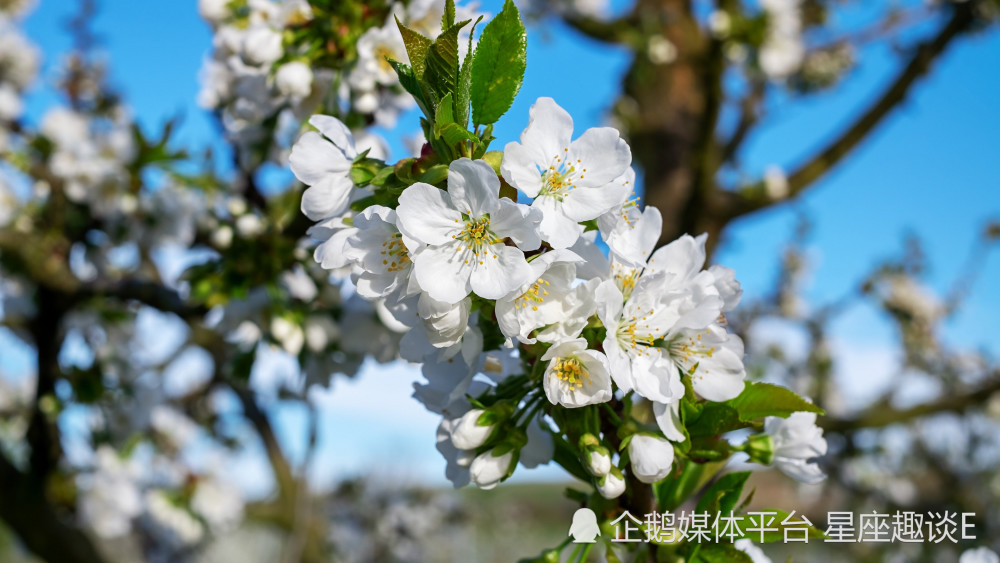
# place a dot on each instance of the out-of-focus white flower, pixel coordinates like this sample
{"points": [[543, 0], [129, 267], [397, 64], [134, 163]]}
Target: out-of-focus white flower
{"points": [[219, 503], [783, 50], [262, 45], [660, 50], [797, 441], [719, 23], [775, 183], [214, 11], [170, 422], [175, 527], [903, 293], [19, 58], [979, 555], [289, 334], [110, 497], [294, 79], [11, 104], [755, 553], [374, 47], [652, 457]]}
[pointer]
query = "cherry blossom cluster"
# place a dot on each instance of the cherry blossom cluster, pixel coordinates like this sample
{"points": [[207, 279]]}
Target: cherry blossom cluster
{"points": [[276, 62], [524, 327]]}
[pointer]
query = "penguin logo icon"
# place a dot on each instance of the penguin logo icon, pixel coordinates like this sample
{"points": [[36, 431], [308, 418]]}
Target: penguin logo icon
{"points": [[584, 528]]}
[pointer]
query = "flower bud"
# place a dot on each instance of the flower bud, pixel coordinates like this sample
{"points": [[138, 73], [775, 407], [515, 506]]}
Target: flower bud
{"points": [[294, 79], [214, 11], [262, 45], [611, 485], [652, 457], [222, 237], [489, 468], [598, 461], [760, 448], [473, 429]]}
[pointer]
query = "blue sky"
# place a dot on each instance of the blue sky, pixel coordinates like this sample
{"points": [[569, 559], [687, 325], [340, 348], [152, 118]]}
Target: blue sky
{"points": [[930, 170]]}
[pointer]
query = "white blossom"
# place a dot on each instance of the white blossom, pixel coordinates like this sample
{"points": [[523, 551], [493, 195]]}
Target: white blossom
{"points": [[570, 181], [979, 555], [294, 79], [797, 441], [460, 234], [576, 376]]}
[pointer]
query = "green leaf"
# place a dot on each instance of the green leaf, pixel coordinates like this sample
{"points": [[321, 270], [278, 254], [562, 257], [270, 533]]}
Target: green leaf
{"points": [[441, 72], [408, 80], [498, 65], [416, 47], [676, 488], [713, 419], [764, 399], [445, 114], [448, 17], [453, 134], [723, 495], [463, 90], [720, 553]]}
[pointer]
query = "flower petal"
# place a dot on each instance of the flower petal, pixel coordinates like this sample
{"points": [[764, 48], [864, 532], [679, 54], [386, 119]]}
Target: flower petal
{"points": [[443, 271], [328, 198], [602, 154], [313, 159], [335, 130], [494, 278], [474, 184], [426, 215]]}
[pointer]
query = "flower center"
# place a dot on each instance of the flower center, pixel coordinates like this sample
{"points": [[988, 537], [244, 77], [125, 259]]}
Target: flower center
{"points": [[535, 295], [571, 372], [560, 176], [395, 257], [478, 236], [625, 278], [382, 54], [688, 351], [636, 336]]}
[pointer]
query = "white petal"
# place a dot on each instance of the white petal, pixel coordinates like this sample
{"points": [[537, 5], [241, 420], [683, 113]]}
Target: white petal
{"points": [[313, 158], [335, 130], [556, 229], [496, 277], [442, 272], [602, 153], [668, 418], [328, 198], [584, 204], [473, 183], [519, 222], [520, 170], [426, 215]]}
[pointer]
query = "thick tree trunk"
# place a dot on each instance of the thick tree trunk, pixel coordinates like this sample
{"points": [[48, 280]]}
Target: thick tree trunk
{"points": [[669, 112]]}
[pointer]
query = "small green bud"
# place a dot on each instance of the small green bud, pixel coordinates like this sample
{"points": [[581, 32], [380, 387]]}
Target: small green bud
{"points": [[760, 448]]}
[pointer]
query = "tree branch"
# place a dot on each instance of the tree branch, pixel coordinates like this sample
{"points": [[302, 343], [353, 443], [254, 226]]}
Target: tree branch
{"points": [[614, 31], [925, 54], [881, 415]]}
